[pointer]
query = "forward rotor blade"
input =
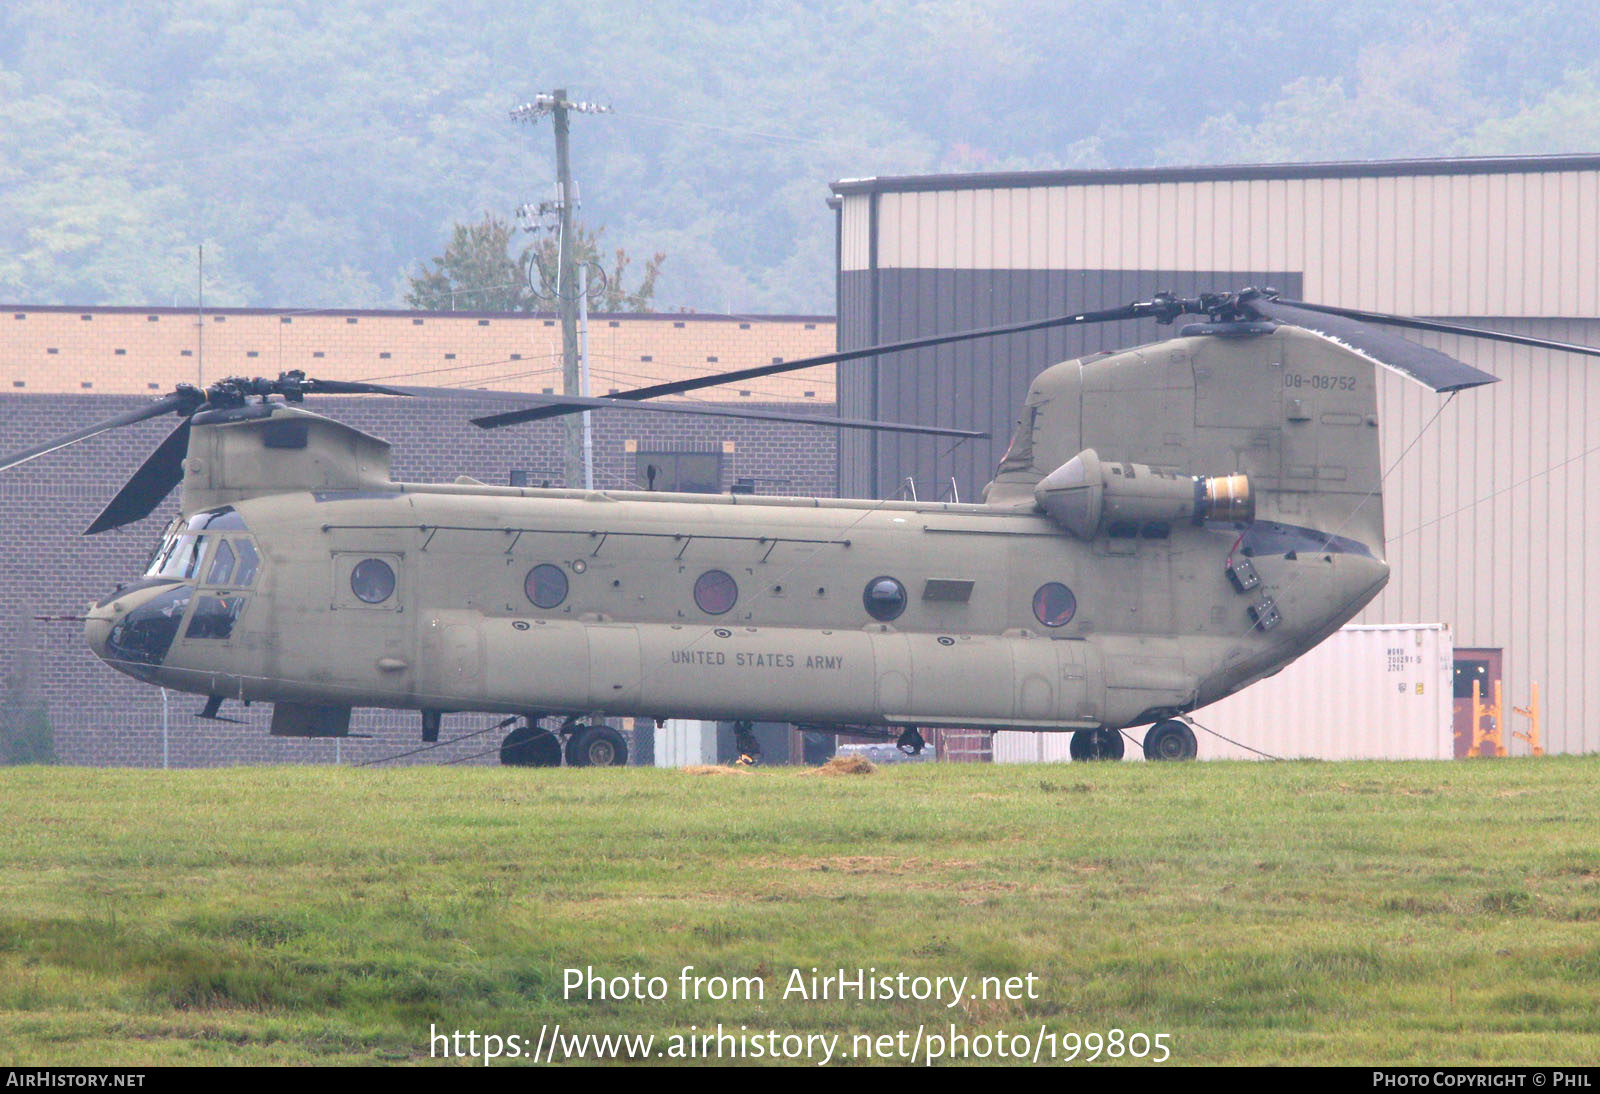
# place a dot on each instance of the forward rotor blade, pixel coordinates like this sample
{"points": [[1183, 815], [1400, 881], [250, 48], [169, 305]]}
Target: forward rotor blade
{"points": [[150, 485], [1429, 367], [678, 387], [574, 404], [350, 387], [1447, 328], [164, 405]]}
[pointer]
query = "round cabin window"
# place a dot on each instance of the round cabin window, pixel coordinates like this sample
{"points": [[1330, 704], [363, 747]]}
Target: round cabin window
{"points": [[1054, 605], [372, 580], [885, 598], [715, 592], [546, 585]]}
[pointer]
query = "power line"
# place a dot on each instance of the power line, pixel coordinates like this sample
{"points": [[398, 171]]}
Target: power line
{"points": [[785, 138]]}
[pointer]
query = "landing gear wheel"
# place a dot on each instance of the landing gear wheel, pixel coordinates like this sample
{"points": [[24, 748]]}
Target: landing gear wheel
{"points": [[1170, 740], [911, 742], [746, 745], [1095, 744], [597, 746], [527, 746]]}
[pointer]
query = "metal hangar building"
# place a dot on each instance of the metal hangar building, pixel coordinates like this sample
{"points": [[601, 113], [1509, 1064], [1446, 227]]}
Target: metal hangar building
{"points": [[1489, 500]]}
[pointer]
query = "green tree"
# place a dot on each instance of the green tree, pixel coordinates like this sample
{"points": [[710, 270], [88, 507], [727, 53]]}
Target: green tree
{"points": [[475, 273], [614, 296]]}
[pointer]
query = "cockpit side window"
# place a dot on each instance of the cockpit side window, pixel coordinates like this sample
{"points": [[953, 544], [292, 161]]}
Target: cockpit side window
{"points": [[249, 563], [221, 565], [214, 616]]}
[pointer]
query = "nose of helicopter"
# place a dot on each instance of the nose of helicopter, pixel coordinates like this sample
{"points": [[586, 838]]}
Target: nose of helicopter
{"points": [[133, 628], [96, 629]]}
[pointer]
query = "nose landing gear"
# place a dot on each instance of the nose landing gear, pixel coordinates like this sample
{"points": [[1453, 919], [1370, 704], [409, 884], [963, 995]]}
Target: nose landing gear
{"points": [[910, 742]]}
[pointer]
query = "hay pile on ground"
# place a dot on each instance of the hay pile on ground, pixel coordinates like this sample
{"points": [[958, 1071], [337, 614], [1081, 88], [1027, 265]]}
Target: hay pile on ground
{"points": [[846, 765]]}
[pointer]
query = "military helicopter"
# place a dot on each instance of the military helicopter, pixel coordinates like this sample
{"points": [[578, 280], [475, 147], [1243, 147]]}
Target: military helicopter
{"points": [[1171, 523]]}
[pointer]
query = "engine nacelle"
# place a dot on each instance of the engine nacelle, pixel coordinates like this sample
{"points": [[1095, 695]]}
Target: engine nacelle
{"points": [[1085, 494]]}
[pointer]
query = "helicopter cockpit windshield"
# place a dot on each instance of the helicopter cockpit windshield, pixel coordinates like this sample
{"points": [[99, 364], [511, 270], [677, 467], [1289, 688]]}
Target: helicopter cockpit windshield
{"points": [[184, 543]]}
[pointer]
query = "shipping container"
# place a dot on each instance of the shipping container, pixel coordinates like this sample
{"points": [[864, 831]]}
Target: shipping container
{"points": [[1367, 693], [685, 742]]}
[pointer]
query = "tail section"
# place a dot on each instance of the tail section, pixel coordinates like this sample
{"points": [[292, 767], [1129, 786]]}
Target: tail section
{"points": [[1293, 412]]}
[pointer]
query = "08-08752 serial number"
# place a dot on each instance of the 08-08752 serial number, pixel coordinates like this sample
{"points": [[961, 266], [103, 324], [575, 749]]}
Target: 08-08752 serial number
{"points": [[1319, 381]]}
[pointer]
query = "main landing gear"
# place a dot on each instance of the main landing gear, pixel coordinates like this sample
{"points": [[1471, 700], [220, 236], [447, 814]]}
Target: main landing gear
{"points": [[910, 742], [1095, 744], [1170, 740], [587, 745], [530, 746], [596, 746]]}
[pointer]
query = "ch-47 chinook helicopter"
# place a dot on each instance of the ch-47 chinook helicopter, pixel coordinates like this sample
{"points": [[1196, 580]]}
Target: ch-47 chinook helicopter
{"points": [[1170, 523]]}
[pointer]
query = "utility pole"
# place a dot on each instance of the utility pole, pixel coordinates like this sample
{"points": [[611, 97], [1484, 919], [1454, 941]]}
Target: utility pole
{"points": [[200, 324], [558, 106], [583, 357]]}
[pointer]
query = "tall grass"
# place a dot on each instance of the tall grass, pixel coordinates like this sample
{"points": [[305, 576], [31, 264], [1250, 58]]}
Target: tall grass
{"points": [[1297, 912]]}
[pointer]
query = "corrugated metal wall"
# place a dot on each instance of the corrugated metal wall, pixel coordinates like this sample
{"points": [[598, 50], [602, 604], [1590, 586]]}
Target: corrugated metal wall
{"points": [[1367, 693], [1488, 497], [1517, 241], [1489, 517], [981, 385]]}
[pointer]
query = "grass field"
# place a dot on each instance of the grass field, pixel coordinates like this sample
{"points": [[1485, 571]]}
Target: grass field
{"points": [[1255, 913]]}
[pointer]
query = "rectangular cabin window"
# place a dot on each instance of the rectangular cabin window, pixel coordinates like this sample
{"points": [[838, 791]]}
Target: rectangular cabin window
{"points": [[947, 589]]}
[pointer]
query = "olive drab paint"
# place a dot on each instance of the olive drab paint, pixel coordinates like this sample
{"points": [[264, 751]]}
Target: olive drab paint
{"points": [[1170, 524]]}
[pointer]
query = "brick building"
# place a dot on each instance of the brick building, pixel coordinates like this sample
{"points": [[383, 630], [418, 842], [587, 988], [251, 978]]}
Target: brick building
{"points": [[62, 368]]}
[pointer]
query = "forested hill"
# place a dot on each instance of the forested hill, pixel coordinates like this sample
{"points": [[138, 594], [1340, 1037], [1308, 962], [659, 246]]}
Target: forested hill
{"points": [[320, 149]]}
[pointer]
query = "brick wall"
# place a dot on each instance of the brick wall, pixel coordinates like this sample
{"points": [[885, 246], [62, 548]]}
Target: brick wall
{"points": [[48, 568], [129, 351]]}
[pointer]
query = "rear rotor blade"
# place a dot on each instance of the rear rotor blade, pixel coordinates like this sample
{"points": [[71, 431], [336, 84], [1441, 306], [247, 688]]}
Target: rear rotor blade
{"points": [[149, 486], [178, 400], [1446, 328], [1429, 367], [1137, 310]]}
